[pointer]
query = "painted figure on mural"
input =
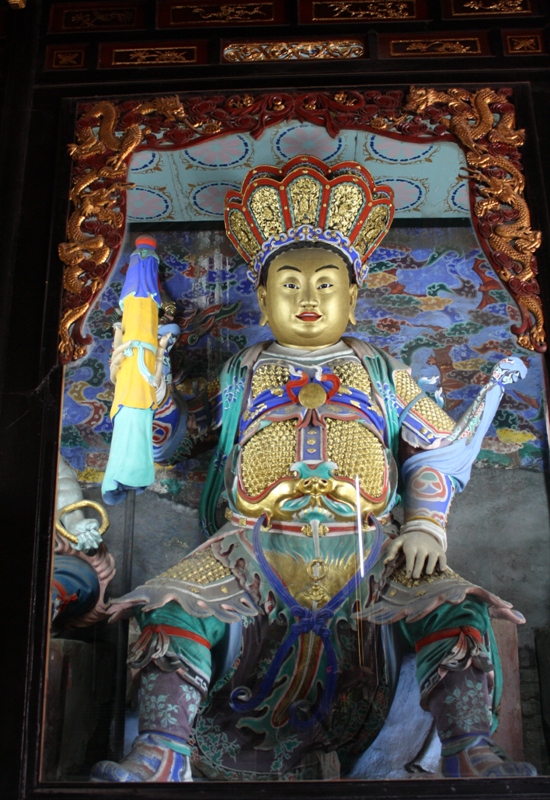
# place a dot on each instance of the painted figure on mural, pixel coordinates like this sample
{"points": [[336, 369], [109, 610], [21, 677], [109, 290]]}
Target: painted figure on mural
{"points": [[273, 650]]}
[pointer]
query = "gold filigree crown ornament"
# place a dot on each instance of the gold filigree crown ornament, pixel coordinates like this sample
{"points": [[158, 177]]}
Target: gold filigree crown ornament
{"points": [[308, 201]]}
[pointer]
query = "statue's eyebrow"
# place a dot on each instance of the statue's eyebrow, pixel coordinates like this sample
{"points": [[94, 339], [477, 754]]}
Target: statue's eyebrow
{"points": [[327, 266], [295, 269]]}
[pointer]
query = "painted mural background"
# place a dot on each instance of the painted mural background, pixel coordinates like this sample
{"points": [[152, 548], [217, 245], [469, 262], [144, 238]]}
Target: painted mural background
{"points": [[431, 300]]}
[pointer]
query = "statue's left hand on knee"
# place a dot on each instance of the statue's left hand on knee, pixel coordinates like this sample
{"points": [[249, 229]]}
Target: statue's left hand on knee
{"points": [[422, 552]]}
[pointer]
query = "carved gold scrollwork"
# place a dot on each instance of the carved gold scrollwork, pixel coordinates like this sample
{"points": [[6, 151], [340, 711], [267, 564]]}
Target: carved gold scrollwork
{"points": [[524, 44], [446, 46], [233, 12], [293, 51], [93, 18], [497, 6], [154, 55], [92, 229], [360, 10], [484, 123]]}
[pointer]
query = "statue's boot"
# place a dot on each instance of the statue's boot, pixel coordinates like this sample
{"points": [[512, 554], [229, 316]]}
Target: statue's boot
{"points": [[151, 760], [160, 754], [461, 707]]}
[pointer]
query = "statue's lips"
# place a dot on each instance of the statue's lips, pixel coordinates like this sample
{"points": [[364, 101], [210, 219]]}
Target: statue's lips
{"points": [[309, 316]]}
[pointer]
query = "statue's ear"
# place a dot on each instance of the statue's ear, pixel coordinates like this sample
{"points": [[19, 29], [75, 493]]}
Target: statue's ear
{"points": [[353, 289], [261, 295]]}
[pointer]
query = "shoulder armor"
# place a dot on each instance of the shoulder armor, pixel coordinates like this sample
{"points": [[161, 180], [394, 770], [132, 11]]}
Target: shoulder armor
{"points": [[425, 418]]}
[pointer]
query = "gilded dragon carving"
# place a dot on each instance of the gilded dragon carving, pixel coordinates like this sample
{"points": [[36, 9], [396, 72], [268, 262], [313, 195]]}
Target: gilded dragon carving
{"points": [[95, 196], [496, 192], [470, 115], [99, 204], [108, 115], [502, 214], [482, 121]]}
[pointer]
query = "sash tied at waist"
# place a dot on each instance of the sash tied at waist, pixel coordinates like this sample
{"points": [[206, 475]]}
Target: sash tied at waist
{"points": [[307, 621]]}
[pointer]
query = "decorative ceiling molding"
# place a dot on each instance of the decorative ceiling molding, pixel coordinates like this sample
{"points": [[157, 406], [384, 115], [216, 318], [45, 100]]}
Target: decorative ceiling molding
{"points": [[212, 13], [453, 9], [523, 42], [151, 54], [433, 45], [97, 16], [321, 11], [482, 122], [293, 50]]}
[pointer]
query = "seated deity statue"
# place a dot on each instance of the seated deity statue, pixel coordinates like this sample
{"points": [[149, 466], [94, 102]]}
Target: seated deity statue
{"points": [[272, 651]]}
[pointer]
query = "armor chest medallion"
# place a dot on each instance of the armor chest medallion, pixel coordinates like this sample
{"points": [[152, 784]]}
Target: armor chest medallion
{"points": [[305, 438]]}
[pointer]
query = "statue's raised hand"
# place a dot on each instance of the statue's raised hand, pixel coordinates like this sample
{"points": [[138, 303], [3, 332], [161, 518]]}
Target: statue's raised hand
{"points": [[117, 354], [88, 535], [507, 371], [168, 336], [422, 553]]}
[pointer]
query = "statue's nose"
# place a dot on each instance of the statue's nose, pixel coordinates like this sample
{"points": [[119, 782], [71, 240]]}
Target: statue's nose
{"points": [[307, 296]]}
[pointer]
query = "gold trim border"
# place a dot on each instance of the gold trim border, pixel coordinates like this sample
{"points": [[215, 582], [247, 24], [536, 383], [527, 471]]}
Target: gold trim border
{"points": [[448, 47], [493, 12]]}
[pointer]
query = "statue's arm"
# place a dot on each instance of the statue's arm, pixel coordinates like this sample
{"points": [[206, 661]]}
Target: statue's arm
{"points": [[427, 498], [69, 492], [433, 472]]}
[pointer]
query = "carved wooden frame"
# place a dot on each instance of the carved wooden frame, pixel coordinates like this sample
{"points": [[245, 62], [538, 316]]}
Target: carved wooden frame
{"points": [[482, 122]]}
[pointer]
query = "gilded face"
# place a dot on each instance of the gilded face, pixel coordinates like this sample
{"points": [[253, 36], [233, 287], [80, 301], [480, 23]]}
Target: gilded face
{"points": [[308, 299]]}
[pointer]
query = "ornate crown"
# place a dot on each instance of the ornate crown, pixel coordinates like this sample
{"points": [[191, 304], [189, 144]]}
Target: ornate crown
{"points": [[308, 201]]}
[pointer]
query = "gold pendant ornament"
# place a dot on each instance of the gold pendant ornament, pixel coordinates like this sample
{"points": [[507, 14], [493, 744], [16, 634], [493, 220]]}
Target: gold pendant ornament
{"points": [[312, 395]]}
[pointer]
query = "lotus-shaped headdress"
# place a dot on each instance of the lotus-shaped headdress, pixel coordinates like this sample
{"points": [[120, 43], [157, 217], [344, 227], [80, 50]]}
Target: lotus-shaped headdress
{"points": [[308, 201]]}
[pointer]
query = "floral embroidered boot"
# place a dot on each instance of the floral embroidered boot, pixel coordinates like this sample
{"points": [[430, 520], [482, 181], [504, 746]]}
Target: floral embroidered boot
{"points": [[461, 707], [160, 754]]}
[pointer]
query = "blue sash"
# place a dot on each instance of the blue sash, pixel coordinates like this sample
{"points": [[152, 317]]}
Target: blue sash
{"points": [[307, 621]]}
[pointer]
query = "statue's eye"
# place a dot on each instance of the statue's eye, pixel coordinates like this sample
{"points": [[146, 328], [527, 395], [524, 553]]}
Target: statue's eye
{"points": [[290, 285], [326, 285]]}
